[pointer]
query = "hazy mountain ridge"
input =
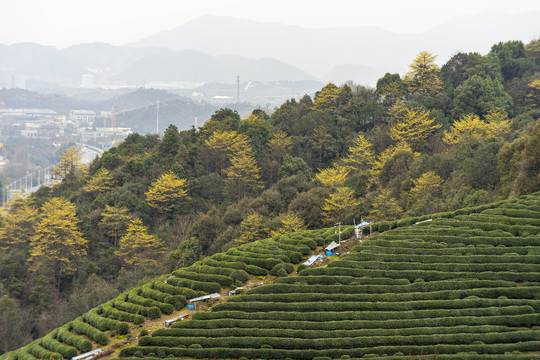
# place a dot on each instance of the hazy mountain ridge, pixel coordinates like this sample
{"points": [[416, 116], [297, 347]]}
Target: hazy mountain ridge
{"points": [[318, 50]]}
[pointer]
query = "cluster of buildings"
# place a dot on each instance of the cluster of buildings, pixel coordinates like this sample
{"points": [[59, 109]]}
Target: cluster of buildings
{"points": [[87, 126]]}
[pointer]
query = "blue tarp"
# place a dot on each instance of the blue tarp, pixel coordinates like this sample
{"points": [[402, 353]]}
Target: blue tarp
{"points": [[363, 223]]}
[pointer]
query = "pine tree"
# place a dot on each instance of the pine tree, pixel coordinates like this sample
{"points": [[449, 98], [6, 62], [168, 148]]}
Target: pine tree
{"points": [[423, 76], [340, 206], [57, 244], [243, 175], [19, 223], [360, 157], [290, 224], [70, 167], [279, 145], [114, 222], [137, 248], [165, 192], [220, 144], [385, 207], [414, 126], [471, 126], [326, 99], [100, 183], [251, 229], [333, 176]]}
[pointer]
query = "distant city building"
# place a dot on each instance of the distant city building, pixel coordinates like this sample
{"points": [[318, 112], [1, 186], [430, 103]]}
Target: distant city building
{"points": [[82, 116]]}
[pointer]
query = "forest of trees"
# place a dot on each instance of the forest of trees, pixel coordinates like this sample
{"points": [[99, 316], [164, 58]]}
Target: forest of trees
{"points": [[436, 139]]}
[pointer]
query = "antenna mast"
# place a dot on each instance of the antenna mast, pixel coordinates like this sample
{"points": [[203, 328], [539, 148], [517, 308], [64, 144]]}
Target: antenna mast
{"points": [[238, 89]]}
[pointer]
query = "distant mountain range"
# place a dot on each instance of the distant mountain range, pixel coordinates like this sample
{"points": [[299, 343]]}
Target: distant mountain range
{"points": [[217, 49], [319, 50]]}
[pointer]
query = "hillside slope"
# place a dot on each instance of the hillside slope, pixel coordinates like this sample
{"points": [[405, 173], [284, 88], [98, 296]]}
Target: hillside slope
{"points": [[462, 286]]}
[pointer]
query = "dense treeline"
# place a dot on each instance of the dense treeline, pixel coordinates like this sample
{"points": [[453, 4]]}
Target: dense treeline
{"points": [[435, 139]]}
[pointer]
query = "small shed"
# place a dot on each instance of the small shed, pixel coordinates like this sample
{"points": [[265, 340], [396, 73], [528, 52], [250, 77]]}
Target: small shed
{"points": [[236, 291], [312, 259], [423, 221]]}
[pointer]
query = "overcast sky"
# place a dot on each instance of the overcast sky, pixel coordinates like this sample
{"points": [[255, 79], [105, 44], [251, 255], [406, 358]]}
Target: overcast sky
{"points": [[62, 23]]}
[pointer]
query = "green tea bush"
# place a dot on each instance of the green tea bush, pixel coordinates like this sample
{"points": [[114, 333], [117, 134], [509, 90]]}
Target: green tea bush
{"points": [[81, 327], [67, 337]]}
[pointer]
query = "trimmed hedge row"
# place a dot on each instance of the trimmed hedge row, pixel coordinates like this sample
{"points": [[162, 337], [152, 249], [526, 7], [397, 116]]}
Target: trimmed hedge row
{"points": [[309, 354], [265, 263], [250, 269], [448, 285], [317, 334], [518, 213], [427, 275], [111, 312], [271, 249], [20, 354], [65, 336], [130, 307], [208, 287], [364, 315], [102, 323], [529, 292], [133, 297], [339, 280], [312, 244], [446, 267], [344, 343], [220, 279], [456, 259], [83, 328], [55, 346], [528, 319], [256, 306], [509, 220], [256, 255], [451, 240], [173, 290], [374, 248], [205, 269], [178, 301], [38, 351]]}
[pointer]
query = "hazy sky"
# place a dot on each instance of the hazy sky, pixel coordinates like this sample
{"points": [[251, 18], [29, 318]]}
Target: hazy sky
{"points": [[67, 22]]}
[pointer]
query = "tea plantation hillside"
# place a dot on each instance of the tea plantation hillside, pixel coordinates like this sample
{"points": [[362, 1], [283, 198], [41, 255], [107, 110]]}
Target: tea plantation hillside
{"points": [[116, 322], [463, 286]]}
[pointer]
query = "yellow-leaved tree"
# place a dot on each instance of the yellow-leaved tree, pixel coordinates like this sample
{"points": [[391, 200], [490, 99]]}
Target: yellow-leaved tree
{"points": [[100, 182], [243, 175], [165, 193], [279, 145], [471, 126], [385, 207], [70, 167], [114, 222], [429, 184], [57, 244], [290, 224], [340, 206], [137, 248], [389, 153], [414, 126], [423, 75], [18, 224], [251, 229], [326, 99], [220, 144], [360, 157], [333, 176], [533, 95]]}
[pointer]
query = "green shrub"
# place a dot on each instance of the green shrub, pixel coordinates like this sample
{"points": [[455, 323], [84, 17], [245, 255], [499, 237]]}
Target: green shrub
{"points": [[240, 275], [96, 335], [154, 312], [67, 337]]}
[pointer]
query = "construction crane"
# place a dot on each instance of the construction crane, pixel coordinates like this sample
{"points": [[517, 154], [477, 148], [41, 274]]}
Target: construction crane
{"points": [[113, 118]]}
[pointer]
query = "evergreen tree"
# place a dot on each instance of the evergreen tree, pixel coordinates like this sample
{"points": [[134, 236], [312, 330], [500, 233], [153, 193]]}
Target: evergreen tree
{"points": [[165, 193], [57, 244], [19, 223], [137, 248], [70, 167], [340, 206], [423, 75], [100, 183]]}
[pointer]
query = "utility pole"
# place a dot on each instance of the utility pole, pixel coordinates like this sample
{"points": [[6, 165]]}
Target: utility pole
{"points": [[157, 117], [238, 89], [339, 232]]}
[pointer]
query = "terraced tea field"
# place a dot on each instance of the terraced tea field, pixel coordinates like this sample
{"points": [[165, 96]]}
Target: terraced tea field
{"points": [[463, 286]]}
